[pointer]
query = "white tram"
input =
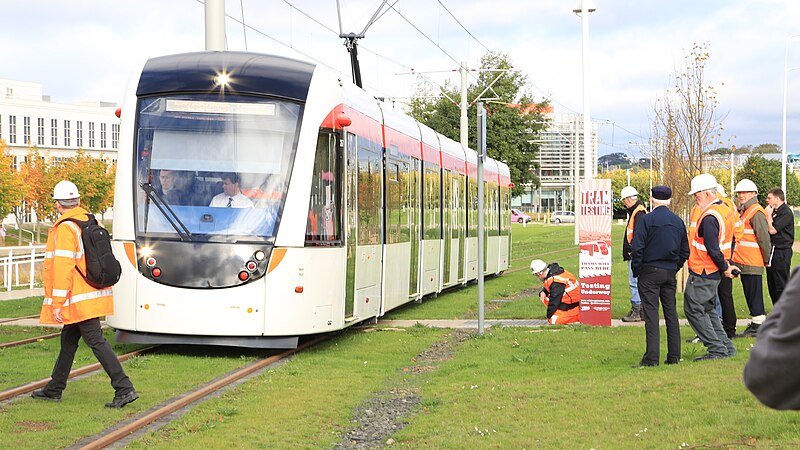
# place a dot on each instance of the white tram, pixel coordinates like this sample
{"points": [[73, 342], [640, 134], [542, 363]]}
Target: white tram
{"points": [[350, 208]]}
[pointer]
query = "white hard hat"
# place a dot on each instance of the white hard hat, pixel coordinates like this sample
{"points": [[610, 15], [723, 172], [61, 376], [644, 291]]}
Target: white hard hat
{"points": [[628, 191], [746, 185], [702, 182], [721, 190], [65, 190], [537, 265]]}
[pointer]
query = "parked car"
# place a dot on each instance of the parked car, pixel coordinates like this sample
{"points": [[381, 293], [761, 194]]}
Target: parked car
{"points": [[519, 216], [562, 217]]}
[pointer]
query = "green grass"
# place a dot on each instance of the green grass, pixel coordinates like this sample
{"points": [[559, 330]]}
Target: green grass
{"points": [[502, 390], [10, 333], [35, 424], [21, 307], [305, 403], [572, 387]]}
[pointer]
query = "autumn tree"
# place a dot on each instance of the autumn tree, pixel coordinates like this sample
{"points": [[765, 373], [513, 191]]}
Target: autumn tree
{"points": [[13, 186], [93, 177], [686, 121], [513, 118]]}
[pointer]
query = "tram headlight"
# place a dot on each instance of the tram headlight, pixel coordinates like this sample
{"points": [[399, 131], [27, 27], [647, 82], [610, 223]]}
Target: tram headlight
{"points": [[146, 251], [259, 255]]}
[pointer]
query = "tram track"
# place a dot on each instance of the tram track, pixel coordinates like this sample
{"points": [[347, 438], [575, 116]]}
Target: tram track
{"points": [[29, 387], [30, 340], [14, 319], [131, 426]]}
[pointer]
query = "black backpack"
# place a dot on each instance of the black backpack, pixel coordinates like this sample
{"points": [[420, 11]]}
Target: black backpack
{"points": [[102, 268]]}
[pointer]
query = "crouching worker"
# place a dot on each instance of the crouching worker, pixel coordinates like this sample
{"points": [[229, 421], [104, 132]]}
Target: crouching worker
{"points": [[560, 293]]}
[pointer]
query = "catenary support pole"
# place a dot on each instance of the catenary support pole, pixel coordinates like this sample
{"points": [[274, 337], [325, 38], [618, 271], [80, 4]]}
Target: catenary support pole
{"points": [[481, 130]]}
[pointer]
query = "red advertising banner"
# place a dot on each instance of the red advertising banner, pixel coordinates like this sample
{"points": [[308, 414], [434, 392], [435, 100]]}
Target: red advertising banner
{"points": [[595, 253]]}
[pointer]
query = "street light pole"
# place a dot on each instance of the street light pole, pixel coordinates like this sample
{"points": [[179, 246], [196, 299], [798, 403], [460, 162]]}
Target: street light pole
{"points": [[785, 107], [584, 8]]}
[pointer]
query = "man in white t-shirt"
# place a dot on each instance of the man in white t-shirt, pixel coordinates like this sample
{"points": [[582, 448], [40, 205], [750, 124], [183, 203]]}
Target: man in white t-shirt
{"points": [[231, 196]]}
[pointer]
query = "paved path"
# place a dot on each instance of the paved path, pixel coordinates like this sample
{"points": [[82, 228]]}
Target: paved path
{"points": [[473, 324], [20, 293]]}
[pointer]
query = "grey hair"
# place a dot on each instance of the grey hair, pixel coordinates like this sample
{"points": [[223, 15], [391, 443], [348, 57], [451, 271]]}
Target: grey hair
{"points": [[70, 203], [657, 202]]}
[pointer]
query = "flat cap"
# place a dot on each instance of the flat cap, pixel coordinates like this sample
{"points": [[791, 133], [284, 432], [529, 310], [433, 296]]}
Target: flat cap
{"points": [[661, 192]]}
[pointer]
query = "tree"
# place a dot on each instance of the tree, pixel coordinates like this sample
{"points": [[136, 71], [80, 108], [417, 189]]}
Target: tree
{"points": [[686, 121], [767, 148], [614, 159], [94, 179], [513, 118], [13, 186], [640, 180], [766, 174]]}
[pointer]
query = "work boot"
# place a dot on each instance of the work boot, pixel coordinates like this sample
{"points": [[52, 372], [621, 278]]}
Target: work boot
{"points": [[750, 331], [41, 394], [635, 315], [122, 400]]}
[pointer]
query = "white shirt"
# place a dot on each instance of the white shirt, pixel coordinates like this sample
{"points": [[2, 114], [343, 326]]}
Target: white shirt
{"points": [[237, 201]]}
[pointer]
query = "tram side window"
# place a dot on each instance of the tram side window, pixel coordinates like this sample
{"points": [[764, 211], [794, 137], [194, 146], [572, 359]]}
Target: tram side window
{"points": [[324, 208], [369, 194], [432, 199], [472, 201]]}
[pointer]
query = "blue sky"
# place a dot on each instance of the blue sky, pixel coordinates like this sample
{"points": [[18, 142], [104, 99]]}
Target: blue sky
{"points": [[86, 50]]}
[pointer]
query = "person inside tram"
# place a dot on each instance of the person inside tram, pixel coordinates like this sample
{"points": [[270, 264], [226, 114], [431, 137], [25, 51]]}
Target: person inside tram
{"points": [[170, 190], [231, 196]]}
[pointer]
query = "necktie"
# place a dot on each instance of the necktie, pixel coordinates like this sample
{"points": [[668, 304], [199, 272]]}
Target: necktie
{"points": [[230, 200]]}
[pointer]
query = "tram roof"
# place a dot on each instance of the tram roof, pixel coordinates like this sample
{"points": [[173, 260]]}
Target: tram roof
{"points": [[250, 73]]}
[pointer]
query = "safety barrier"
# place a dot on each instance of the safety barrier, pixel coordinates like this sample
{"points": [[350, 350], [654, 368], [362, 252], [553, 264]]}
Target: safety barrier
{"points": [[14, 258]]}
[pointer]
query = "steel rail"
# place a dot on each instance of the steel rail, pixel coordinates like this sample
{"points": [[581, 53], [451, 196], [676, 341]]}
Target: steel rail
{"points": [[105, 439], [29, 340], [25, 388]]}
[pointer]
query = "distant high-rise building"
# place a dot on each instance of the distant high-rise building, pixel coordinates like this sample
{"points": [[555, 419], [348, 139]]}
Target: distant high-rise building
{"points": [[560, 153]]}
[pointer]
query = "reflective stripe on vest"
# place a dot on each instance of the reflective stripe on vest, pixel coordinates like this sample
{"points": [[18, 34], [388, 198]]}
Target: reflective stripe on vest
{"points": [[747, 251], [572, 292], [629, 230], [699, 260]]}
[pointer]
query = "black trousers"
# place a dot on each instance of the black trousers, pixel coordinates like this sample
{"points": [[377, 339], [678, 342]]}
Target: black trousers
{"points": [[725, 294], [93, 336], [778, 272], [753, 294], [659, 284]]}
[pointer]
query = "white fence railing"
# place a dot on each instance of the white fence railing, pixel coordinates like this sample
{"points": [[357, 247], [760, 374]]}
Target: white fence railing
{"points": [[12, 259]]}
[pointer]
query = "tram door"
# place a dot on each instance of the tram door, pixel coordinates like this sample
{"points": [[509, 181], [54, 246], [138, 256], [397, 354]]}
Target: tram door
{"points": [[364, 227]]}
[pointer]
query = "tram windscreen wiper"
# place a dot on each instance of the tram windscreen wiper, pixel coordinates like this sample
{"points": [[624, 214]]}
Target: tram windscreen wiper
{"points": [[168, 213]]}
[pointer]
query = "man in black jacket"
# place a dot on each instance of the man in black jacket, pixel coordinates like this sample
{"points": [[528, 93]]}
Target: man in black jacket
{"points": [[781, 231], [658, 250]]}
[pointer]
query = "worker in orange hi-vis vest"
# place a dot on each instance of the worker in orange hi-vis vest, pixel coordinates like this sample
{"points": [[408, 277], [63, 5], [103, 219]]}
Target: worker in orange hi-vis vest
{"points": [[724, 305], [70, 300], [752, 253], [707, 264], [560, 292], [636, 210]]}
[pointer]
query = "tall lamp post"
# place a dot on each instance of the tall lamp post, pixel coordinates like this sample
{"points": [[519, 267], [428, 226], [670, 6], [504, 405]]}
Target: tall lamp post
{"points": [[583, 8], [786, 70]]}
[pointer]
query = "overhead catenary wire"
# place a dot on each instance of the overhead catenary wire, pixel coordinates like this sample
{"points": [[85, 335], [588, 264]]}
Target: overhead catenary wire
{"points": [[392, 7]]}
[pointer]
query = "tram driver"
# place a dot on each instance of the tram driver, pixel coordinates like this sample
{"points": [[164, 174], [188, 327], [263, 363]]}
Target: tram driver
{"points": [[231, 196], [170, 190]]}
